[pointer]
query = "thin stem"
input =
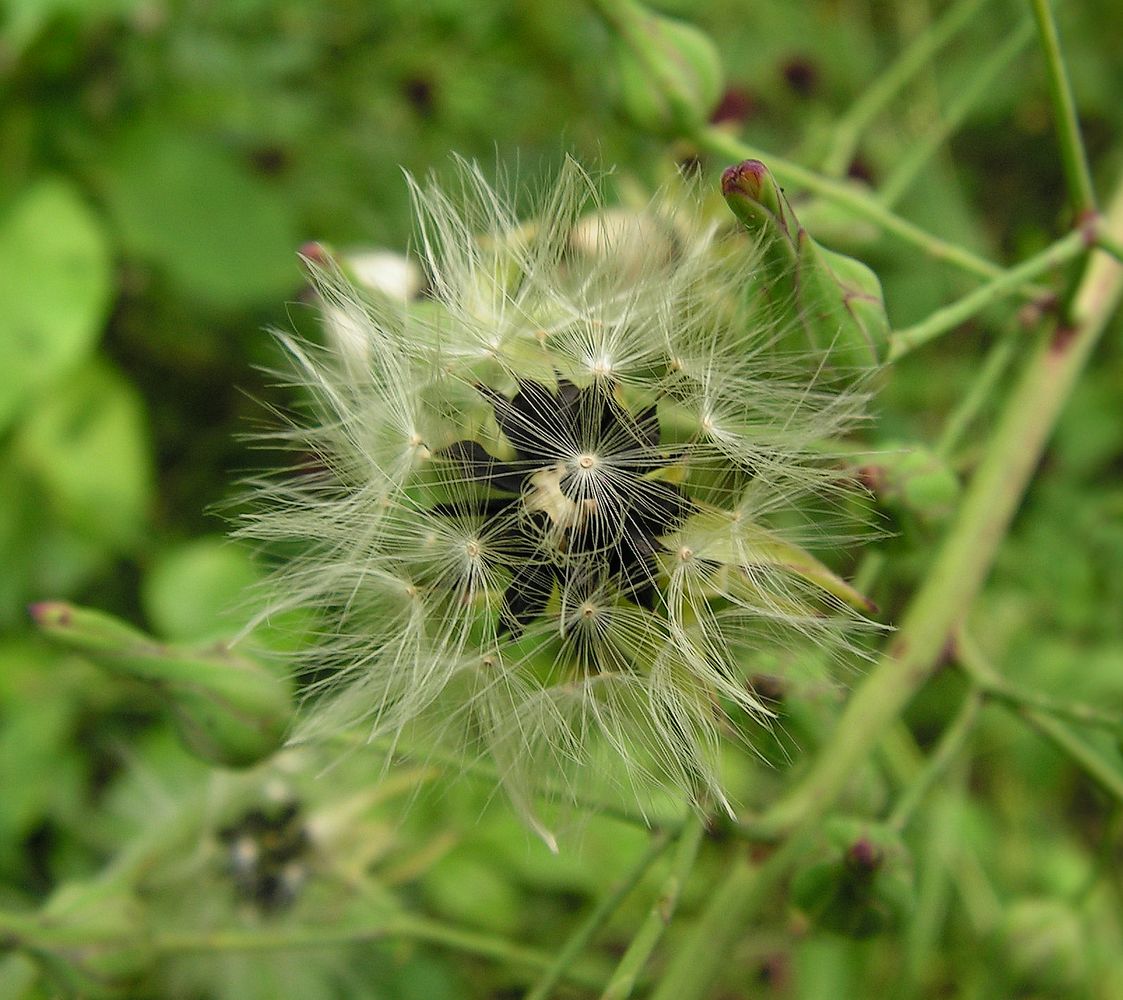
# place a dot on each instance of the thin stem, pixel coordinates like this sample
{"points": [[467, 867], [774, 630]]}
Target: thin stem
{"points": [[744, 888], [1022, 698], [647, 937], [598, 916], [1086, 757], [965, 557], [934, 864], [949, 747], [978, 393], [1106, 241], [921, 149], [1073, 158], [891, 81], [950, 316], [400, 926], [863, 205]]}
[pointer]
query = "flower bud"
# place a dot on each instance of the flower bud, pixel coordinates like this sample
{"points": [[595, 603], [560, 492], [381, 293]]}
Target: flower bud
{"points": [[669, 72], [227, 708], [861, 882], [838, 298]]}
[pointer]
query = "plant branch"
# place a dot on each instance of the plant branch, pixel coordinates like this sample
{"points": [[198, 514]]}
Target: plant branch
{"points": [[970, 546], [863, 205], [950, 316], [398, 925], [651, 930], [1086, 757], [937, 608], [1106, 241], [891, 81], [999, 689], [951, 743], [1073, 158], [922, 147], [744, 888], [598, 916], [994, 366]]}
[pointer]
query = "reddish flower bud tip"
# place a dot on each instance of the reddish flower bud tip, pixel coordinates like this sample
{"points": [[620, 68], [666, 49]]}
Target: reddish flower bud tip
{"points": [[746, 178], [864, 855], [47, 613], [314, 253]]}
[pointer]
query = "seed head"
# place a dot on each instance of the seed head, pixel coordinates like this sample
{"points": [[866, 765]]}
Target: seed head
{"points": [[540, 519]]}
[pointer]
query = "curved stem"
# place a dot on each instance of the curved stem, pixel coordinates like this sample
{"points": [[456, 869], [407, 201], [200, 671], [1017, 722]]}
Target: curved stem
{"points": [[744, 888], [587, 929], [950, 745], [1085, 756], [647, 937], [398, 925], [994, 366], [914, 158], [863, 205], [891, 81], [970, 546], [950, 316]]}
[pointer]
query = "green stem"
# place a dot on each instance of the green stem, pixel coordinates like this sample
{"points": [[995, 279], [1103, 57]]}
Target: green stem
{"points": [[1106, 241], [978, 393], [398, 926], [1086, 757], [1023, 699], [949, 747], [921, 149], [588, 928], [966, 555], [745, 887], [863, 205], [647, 937], [950, 316], [1073, 158], [891, 81], [933, 890]]}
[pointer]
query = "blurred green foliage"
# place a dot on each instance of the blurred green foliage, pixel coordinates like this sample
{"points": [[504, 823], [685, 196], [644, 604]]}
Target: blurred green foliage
{"points": [[162, 161]]}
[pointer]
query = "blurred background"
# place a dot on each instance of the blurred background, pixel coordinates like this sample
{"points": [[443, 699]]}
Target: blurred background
{"points": [[161, 164]]}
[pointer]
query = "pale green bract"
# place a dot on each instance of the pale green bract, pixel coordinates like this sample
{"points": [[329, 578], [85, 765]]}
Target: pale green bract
{"points": [[538, 507]]}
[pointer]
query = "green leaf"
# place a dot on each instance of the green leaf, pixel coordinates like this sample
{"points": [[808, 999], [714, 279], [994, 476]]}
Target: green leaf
{"points": [[36, 729], [473, 891], [192, 590], [87, 445], [193, 209], [722, 537], [55, 286]]}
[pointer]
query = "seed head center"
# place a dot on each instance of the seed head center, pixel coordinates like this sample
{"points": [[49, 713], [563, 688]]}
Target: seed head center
{"points": [[587, 461]]}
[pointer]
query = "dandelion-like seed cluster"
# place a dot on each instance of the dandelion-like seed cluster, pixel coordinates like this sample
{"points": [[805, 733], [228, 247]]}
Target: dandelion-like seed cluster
{"points": [[538, 508]]}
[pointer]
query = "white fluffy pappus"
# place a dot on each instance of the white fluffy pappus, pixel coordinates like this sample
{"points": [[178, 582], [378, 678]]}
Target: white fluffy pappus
{"points": [[538, 510]]}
